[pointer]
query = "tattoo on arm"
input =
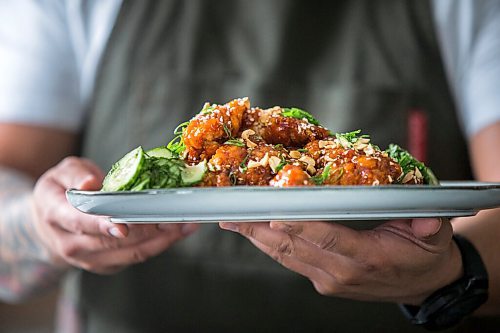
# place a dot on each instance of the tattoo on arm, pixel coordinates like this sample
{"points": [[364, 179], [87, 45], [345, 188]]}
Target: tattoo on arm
{"points": [[25, 268]]}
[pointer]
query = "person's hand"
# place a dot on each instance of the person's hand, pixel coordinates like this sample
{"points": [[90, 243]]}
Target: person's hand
{"points": [[400, 261], [90, 242]]}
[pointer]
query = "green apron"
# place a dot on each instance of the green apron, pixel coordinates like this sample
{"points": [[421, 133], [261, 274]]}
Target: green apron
{"points": [[353, 64]]}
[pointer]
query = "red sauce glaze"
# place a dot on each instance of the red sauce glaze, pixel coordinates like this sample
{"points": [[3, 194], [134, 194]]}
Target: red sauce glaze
{"points": [[267, 148], [291, 175]]}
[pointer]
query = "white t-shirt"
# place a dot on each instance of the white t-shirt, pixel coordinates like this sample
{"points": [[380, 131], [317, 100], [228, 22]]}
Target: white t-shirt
{"points": [[50, 51]]}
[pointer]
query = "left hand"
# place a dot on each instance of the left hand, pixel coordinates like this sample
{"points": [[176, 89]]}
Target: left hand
{"points": [[401, 261]]}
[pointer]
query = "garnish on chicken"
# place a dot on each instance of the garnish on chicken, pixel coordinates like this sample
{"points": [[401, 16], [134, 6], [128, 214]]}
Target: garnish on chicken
{"points": [[283, 147], [234, 144]]}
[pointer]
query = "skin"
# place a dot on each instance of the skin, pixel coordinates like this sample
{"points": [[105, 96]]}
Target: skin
{"points": [[69, 237], [401, 261]]}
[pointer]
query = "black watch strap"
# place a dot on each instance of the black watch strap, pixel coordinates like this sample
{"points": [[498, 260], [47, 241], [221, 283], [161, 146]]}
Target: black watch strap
{"points": [[447, 306]]}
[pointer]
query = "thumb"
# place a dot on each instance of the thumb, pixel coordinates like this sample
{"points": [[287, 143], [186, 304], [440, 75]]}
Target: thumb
{"points": [[425, 228], [89, 183]]}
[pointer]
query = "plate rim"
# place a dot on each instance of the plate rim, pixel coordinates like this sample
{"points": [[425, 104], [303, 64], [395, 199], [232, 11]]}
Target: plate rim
{"points": [[444, 186]]}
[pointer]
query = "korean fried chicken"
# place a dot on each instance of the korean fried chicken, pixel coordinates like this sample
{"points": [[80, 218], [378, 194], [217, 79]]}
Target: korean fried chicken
{"points": [[282, 147], [275, 128], [211, 127]]}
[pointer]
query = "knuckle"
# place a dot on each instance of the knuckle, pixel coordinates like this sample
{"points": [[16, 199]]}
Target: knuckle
{"points": [[346, 278], [109, 243], [325, 289], [77, 227], [69, 161], [283, 249], [248, 230], [329, 241], [138, 256], [296, 229], [69, 250], [375, 264]]}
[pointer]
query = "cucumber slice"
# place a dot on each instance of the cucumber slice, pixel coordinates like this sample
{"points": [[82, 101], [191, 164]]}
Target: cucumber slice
{"points": [[193, 174], [163, 152], [124, 172]]}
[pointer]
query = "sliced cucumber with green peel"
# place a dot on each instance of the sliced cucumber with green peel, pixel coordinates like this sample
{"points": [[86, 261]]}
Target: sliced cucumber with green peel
{"points": [[124, 172], [163, 152], [193, 174]]}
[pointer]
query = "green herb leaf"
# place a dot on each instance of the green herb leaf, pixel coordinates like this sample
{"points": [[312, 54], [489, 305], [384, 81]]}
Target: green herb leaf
{"points": [[282, 164], [207, 108], [177, 144], [227, 130], [299, 114], [351, 137], [180, 128], [243, 164], [409, 163], [235, 142], [320, 179]]}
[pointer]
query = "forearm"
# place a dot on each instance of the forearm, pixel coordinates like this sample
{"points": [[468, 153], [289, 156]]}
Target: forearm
{"points": [[483, 231], [25, 267]]}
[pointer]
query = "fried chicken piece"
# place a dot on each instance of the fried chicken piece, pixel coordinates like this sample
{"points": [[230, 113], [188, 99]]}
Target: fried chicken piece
{"points": [[260, 164], [274, 128], [235, 165], [353, 166], [211, 127], [224, 166], [291, 175]]}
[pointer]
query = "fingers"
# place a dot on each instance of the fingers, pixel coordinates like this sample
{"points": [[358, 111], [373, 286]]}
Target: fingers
{"points": [[330, 272], [281, 245], [318, 277], [106, 255], [399, 260], [71, 220], [325, 235], [52, 205], [431, 234], [77, 173], [92, 242]]}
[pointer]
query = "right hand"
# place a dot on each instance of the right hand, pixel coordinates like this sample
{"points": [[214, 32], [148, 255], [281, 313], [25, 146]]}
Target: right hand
{"points": [[89, 242]]}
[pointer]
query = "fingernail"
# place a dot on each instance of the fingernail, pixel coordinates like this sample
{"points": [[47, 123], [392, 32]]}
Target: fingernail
{"points": [[188, 228], [115, 232], [229, 226]]}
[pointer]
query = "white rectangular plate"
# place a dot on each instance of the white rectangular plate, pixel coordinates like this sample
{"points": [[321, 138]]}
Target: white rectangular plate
{"points": [[246, 203]]}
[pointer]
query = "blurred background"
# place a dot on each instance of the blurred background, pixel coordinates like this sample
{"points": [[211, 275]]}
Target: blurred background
{"points": [[34, 316]]}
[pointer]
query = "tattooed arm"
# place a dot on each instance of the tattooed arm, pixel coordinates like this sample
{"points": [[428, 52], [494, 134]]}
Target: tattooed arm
{"points": [[25, 153], [25, 267]]}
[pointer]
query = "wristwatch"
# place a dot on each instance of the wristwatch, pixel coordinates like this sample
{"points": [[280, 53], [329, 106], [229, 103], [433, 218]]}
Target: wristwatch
{"points": [[447, 306]]}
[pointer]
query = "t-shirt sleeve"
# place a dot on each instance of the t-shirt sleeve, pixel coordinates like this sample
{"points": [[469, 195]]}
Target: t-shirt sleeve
{"points": [[39, 78], [469, 34]]}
